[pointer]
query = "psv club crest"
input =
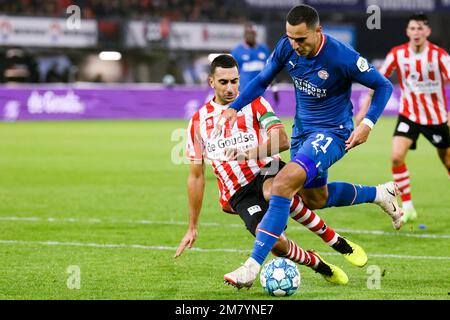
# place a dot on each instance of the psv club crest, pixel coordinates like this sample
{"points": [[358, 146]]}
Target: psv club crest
{"points": [[323, 74]]}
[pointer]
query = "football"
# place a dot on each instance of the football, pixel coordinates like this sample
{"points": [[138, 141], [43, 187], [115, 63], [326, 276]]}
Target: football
{"points": [[280, 277]]}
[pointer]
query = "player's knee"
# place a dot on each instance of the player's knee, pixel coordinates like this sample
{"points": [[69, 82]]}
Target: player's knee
{"points": [[282, 188], [287, 185], [397, 160], [278, 186]]}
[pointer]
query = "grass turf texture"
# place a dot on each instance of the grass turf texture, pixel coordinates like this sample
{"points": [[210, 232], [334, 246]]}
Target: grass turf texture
{"points": [[98, 180]]}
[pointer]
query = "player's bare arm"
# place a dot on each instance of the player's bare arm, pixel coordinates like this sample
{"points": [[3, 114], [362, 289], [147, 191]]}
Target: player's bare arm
{"points": [[196, 187], [363, 108], [277, 142]]}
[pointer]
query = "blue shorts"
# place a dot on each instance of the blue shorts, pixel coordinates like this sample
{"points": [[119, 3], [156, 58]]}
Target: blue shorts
{"points": [[316, 152]]}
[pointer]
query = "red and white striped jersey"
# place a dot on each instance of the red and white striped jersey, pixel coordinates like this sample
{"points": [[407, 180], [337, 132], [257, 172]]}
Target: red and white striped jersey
{"points": [[253, 123], [421, 76]]}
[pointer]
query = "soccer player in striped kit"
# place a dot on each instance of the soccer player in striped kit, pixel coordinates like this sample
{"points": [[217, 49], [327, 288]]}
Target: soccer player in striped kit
{"points": [[422, 67], [245, 159]]}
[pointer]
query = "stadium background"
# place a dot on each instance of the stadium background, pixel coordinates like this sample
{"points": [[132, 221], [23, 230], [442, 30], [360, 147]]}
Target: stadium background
{"points": [[97, 185]]}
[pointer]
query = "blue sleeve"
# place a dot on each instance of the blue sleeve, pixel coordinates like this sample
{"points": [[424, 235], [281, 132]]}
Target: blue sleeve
{"points": [[259, 84], [235, 54], [366, 74]]}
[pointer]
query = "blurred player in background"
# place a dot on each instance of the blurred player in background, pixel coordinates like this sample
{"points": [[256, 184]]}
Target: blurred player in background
{"points": [[421, 69], [322, 69], [245, 160], [251, 56]]}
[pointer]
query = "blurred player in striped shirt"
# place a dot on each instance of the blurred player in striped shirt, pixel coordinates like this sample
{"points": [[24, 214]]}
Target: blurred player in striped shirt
{"points": [[422, 67], [245, 159]]}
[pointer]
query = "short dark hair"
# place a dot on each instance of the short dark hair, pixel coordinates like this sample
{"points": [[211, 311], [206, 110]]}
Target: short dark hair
{"points": [[223, 61], [303, 14], [418, 16]]}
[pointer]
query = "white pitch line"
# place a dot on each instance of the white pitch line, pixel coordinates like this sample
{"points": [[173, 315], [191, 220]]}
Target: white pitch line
{"points": [[233, 225], [96, 220], [146, 247]]}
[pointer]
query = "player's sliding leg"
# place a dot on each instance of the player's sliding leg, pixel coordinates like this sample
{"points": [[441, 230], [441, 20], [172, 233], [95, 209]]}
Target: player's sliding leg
{"points": [[290, 250], [308, 218], [351, 251], [400, 147], [285, 185]]}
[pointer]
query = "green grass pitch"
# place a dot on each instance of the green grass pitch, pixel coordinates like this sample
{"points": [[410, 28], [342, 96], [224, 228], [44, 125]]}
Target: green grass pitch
{"points": [[106, 197]]}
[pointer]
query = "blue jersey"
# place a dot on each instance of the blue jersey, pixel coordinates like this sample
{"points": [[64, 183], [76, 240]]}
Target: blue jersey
{"points": [[322, 84], [250, 61]]}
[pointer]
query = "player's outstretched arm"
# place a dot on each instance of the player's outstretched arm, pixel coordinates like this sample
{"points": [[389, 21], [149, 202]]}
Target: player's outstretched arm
{"points": [[253, 90], [196, 187], [257, 86]]}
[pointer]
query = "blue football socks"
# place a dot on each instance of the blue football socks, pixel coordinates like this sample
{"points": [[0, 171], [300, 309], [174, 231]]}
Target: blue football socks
{"points": [[271, 227], [341, 194]]}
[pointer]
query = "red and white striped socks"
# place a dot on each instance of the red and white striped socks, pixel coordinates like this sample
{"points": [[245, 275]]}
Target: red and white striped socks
{"points": [[401, 178], [301, 256], [300, 213]]}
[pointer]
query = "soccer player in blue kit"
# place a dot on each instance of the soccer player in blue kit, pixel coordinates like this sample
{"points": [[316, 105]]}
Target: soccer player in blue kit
{"points": [[322, 69], [250, 56]]}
